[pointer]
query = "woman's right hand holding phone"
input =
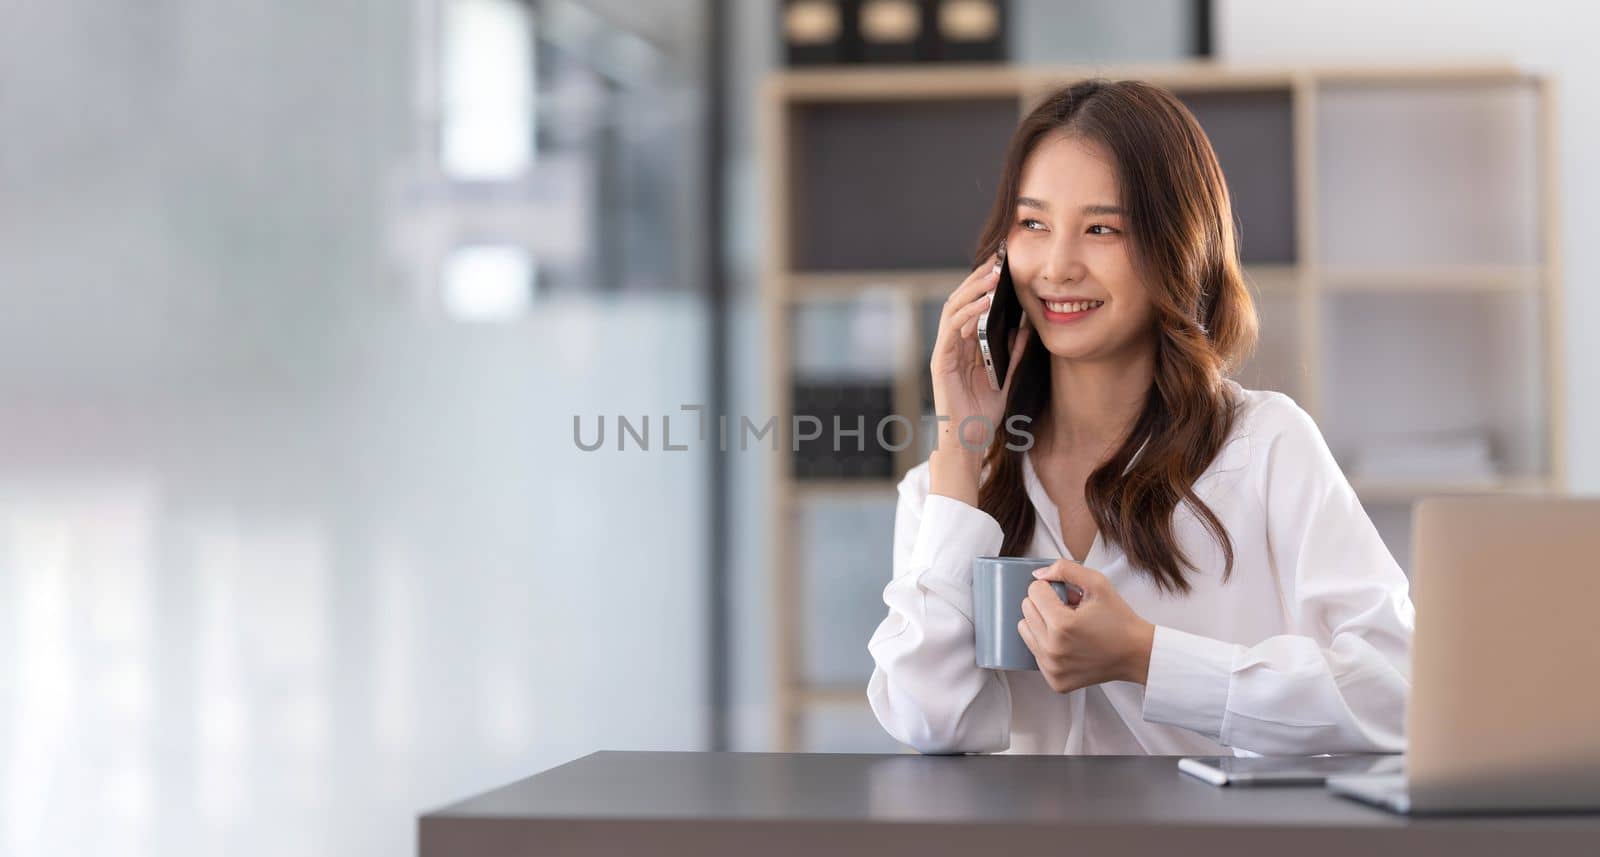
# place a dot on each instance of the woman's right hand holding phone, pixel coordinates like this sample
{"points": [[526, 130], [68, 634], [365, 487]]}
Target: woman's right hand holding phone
{"points": [[961, 389]]}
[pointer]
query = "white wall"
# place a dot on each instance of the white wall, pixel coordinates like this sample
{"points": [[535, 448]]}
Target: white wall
{"points": [[1554, 37]]}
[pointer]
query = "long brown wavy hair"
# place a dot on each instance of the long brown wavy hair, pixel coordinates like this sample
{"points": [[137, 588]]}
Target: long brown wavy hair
{"points": [[1185, 247]]}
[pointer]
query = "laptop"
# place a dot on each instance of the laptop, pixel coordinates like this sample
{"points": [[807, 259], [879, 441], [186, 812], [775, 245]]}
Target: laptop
{"points": [[1505, 692]]}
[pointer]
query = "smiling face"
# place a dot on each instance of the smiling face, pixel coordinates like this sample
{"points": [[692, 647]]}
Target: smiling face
{"points": [[1069, 243]]}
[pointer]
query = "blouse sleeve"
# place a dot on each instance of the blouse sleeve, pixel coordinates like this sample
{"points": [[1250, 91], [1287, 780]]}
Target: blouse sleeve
{"points": [[1339, 683], [927, 689]]}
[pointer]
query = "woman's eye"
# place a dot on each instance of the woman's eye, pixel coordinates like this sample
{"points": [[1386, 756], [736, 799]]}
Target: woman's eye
{"points": [[1030, 223], [1108, 229]]}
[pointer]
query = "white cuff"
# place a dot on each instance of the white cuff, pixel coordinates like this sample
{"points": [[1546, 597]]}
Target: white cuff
{"points": [[950, 536], [1188, 681]]}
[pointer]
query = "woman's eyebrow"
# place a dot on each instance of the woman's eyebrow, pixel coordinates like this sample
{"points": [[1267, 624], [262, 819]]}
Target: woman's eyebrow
{"points": [[1103, 209], [1095, 209]]}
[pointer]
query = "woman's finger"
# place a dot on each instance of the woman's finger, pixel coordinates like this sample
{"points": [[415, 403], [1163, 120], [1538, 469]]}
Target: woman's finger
{"points": [[984, 276], [951, 329], [968, 315], [1049, 604], [1032, 642], [969, 290], [1040, 612], [1035, 619]]}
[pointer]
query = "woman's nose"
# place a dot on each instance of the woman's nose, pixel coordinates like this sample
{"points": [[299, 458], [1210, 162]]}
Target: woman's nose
{"points": [[1062, 263]]}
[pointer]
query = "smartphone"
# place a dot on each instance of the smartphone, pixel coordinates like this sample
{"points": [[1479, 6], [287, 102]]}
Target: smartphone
{"points": [[1286, 770], [996, 325]]}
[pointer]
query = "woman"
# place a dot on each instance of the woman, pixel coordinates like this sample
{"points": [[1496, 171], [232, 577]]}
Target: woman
{"points": [[1238, 597]]}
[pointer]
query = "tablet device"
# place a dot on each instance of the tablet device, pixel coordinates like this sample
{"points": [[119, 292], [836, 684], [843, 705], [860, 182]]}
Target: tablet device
{"points": [[1286, 770]]}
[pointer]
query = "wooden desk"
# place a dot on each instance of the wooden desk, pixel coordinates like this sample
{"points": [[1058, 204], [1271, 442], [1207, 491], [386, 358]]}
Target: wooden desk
{"points": [[774, 805]]}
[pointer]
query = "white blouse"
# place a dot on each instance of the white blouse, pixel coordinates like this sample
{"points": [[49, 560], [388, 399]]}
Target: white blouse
{"points": [[1305, 649]]}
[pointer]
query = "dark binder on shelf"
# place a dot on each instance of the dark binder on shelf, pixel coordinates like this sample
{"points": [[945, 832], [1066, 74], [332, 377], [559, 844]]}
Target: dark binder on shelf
{"points": [[856, 405]]}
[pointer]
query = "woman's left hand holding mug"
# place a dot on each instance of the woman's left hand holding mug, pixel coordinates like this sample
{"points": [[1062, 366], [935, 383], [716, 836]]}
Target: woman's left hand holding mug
{"points": [[1100, 639]]}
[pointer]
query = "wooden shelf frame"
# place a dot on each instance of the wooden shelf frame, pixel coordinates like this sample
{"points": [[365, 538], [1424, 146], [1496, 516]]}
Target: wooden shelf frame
{"points": [[913, 82]]}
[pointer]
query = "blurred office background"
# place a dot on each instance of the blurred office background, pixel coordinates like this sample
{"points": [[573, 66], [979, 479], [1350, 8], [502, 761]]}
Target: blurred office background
{"points": [[298, 306]]}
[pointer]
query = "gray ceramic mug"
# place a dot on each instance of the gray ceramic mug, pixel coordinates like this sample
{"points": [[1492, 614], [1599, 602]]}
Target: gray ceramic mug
{"points": [[999, 585]]}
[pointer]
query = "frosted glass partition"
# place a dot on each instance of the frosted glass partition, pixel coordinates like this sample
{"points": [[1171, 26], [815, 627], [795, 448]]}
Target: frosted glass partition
{"points": [[848, 540], [488, 98], [1434, 374], [286, 622], [1427, 175]]}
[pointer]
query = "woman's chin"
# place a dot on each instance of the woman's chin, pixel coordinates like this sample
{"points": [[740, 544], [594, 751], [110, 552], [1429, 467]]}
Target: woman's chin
{"points": [[1067, 346]]}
